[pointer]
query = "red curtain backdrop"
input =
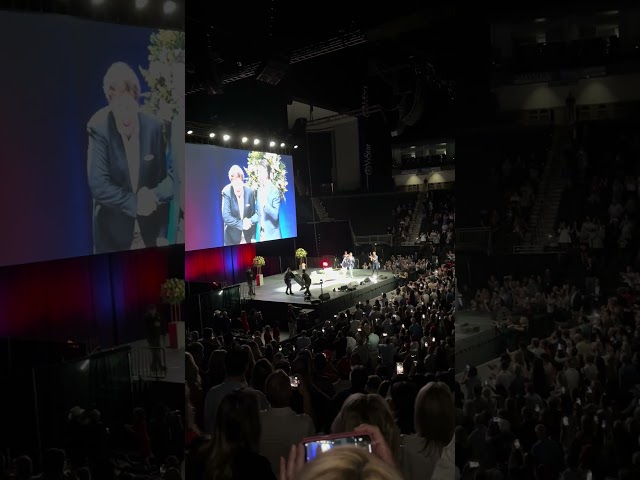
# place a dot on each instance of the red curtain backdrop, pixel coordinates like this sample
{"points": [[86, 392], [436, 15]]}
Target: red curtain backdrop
{"points": [[226, 264], [100, 297]]}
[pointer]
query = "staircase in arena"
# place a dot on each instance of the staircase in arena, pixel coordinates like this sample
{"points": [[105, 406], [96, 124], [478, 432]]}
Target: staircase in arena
{"points": [[544, 214], [416, 219], [321, 212]]}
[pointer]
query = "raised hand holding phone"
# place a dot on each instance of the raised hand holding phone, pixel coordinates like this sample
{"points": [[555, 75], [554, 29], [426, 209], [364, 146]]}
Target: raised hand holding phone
{"points": [[290, 468], [378, 444]]}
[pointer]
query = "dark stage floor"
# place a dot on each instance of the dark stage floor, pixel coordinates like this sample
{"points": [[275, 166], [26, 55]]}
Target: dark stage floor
{"points": [[271, 299]]}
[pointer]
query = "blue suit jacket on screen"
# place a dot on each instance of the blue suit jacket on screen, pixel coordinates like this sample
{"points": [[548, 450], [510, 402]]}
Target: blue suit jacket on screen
{"points": [[269, 226], [114, 201], [231, 215]]}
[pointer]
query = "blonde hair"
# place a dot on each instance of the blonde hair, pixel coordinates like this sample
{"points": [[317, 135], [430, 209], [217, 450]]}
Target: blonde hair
{"points": [[120, 78], [373, 410], [349, 463]]}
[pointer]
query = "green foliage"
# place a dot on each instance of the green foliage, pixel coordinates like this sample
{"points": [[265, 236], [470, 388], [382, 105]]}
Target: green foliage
{"points": [[278, 170], [165, 75], [173, 291]]}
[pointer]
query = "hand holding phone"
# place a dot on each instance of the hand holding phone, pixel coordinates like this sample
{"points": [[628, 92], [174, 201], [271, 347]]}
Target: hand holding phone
{"points": [[517, 444], [294, 381], [399, 368], [378, 444]]}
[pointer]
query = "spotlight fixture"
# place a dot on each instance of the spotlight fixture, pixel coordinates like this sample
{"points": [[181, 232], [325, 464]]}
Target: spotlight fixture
{"points": [[256, 141], [169, 7], [189, 132], [272, 143], [295, 146], [226, 137], [282, 145], [245, 139], [140, 4], [212, 135]]}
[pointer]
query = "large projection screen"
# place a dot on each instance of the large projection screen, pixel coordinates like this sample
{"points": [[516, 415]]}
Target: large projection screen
{"points": [[92, 135], [237, 196]]}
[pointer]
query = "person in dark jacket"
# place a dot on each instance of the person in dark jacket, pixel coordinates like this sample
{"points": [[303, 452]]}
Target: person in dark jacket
{"points": [[307, 283], [250, 277], [288, 276]]}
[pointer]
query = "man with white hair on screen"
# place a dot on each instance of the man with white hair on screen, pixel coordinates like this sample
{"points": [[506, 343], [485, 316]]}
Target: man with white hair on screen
{"points": [[130, 181], [238, 209]]}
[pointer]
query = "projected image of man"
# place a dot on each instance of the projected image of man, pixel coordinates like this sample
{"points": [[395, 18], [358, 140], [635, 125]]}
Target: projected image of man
{"points": [[238, 210], [128, 175], [268, 206]]}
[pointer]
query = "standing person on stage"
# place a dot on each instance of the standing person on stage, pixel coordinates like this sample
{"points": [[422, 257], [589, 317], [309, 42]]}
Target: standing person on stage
{"points": [[375, 263], [351, 262], [250, 277], [288, 276], [307, 283], [345, 264]]}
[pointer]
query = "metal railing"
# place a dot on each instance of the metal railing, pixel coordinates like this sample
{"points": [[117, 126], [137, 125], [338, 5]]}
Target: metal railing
{"points": [[374, 239], [476, 238], [148, 363]]}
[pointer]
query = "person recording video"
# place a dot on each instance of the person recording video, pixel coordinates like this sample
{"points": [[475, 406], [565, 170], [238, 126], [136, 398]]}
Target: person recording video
{"points": [[238, 210]]}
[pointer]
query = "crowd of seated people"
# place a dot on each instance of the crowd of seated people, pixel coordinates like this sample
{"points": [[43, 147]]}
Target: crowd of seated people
{"points": [[565, 404], [536, 294], [439, 217], [382, 368], [403, 214], [600, 207], [150, 448], [514, 185]]}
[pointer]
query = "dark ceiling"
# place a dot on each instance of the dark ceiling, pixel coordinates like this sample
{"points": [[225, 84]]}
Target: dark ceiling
{"points": [[396, 47]]}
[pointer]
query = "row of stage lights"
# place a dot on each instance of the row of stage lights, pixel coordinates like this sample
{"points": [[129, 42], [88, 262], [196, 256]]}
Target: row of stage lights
{"points": [[256, 141], [169, 7]]}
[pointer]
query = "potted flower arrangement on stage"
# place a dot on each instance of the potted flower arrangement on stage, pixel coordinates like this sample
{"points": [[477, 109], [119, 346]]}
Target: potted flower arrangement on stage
{"points": [[301, 255], [258, 262], [173, 293]]}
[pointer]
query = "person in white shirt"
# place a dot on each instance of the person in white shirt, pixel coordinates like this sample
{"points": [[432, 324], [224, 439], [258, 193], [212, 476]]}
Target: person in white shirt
{"points": [[236, 364], [505, 377], [572, 375], [430, 453], [303, 341], [281, 427]]}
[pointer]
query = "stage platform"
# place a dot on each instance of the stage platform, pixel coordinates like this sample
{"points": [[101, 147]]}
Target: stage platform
{"points": [[271, 299], [477, 341]]}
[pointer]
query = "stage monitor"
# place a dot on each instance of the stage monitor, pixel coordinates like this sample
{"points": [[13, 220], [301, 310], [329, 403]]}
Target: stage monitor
{"points": [[91, 137], [237, 196]]}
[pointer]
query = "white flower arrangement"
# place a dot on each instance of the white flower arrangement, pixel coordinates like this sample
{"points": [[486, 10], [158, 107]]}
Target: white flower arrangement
{"points": [[173, 291], [301, 253], [165, 75], [258, 261]]}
